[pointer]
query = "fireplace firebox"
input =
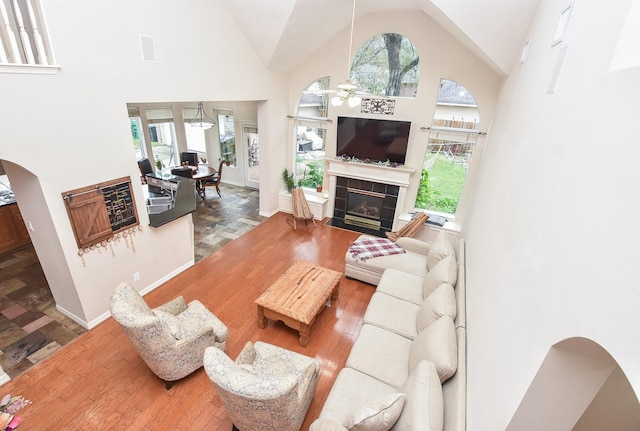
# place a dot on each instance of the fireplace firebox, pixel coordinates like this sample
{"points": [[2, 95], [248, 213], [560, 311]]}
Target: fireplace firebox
{"points": [[364, 206]]}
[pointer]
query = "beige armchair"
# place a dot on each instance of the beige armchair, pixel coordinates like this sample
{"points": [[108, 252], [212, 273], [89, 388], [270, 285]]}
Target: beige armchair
{"points": [[266, 388], [172, 338]]}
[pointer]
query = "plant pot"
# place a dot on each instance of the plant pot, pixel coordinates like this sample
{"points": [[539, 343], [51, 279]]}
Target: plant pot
{"points": [[319, 189]]}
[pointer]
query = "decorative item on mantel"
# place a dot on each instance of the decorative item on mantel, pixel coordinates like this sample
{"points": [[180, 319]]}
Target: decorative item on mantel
{"points": [[9, 406], [347, 158]]}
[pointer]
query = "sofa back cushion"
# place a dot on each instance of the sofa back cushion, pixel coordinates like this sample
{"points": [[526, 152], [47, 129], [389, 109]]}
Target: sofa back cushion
{"points": [[436, 343], [424, 403], [441, 302], [445, 271], [440, 249], [378, 415]]}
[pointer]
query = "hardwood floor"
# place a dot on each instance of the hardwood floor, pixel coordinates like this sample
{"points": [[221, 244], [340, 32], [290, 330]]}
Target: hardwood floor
{"points": [[99, 382]]}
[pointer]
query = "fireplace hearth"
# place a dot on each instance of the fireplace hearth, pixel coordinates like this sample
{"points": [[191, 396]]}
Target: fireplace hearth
{"points": [[364, 206]]}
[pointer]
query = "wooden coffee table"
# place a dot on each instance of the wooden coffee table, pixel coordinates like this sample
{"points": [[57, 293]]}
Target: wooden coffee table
{"points": [[298, 296]]}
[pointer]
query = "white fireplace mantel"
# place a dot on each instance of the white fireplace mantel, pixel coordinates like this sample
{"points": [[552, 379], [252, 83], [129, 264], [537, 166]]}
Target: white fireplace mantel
{"points": [[398, 176]]}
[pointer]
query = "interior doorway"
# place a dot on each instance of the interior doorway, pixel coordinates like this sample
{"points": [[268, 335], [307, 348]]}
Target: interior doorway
{"points": [[252, 151], [31, 326]]}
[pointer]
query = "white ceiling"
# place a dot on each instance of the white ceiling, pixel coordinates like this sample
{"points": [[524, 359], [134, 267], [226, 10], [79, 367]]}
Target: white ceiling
{"points": [[283, 31]]}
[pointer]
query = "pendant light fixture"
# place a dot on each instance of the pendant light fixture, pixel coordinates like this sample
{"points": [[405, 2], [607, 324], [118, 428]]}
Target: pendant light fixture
{"points": [[346, 90], [201, 119]]}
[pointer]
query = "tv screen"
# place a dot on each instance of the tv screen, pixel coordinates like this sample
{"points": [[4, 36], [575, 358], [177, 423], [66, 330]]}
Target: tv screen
{"points": [[377, 140]]}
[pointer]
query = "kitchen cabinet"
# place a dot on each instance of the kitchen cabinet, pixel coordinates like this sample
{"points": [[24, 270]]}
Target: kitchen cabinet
{"points": [[13, 232]]}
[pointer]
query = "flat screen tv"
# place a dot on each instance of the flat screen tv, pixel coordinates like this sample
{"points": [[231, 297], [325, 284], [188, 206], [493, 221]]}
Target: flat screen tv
{"points": [[373, 139]]}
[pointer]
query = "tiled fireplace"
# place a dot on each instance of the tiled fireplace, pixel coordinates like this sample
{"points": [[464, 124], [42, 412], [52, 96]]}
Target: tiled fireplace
{"points": [[366, 198]]}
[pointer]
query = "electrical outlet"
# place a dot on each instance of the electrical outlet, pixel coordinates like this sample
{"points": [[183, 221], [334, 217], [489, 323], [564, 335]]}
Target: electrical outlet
{"points": [[136, 276]]}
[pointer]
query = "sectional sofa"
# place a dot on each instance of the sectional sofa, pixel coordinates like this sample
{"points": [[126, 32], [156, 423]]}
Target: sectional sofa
{"points": [[407, 367]]}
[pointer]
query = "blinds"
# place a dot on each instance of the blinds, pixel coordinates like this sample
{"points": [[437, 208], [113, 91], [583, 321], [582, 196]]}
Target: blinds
{"points": [[133, 111], [159, 115]]}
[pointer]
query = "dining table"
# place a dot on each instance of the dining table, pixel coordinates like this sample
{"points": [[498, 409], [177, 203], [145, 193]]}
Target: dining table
{"points": [[201, 174]]}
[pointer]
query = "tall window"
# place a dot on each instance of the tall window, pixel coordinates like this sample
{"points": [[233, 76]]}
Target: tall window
{"points": [[387, 64], [310, 134], [195, 135], [452, 138], [226, 127], [163, 136], [136, 132]]}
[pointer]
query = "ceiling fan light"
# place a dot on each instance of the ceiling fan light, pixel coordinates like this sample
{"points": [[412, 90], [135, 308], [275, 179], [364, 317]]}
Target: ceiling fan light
{"points": [[353, 101], [337, 101]]}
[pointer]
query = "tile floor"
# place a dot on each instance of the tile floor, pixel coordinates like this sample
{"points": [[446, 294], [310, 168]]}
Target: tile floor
{"points": [[31, 328]]}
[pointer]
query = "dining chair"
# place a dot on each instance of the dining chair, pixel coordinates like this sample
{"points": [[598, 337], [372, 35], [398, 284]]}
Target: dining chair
{"points": [[215, 179], [190, 157], [145, 168]]}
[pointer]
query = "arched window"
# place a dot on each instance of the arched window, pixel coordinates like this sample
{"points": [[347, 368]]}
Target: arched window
{"points": [[387, 64], [310, 134], [453, 135]]}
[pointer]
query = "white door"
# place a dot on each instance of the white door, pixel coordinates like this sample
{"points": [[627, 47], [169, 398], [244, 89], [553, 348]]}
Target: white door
{"points": [[251, 148]]}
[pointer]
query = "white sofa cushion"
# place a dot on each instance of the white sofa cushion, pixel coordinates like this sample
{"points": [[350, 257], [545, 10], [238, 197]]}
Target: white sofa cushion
{"points": [[424, 404], [351, 390], [440, 249], [438, 344], [402, 285], [393, 314], [445, 271], [379, 415], [322, 424], [371, 270], [381, 354], [441, 302]]}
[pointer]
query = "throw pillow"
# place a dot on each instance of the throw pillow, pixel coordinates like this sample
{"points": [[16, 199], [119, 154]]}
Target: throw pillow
{"points": [[445, 271], [379, 415], [441, 302], [172, 322], [437, 343], [440, 249]]}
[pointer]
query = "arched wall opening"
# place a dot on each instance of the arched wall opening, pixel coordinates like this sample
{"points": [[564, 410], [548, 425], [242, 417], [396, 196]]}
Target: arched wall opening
{"points": [[35, 211], [578, 387]]}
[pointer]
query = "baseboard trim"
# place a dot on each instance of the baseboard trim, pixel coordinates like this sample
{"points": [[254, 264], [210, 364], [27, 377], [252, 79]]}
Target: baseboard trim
{"points": [[104, 316]]}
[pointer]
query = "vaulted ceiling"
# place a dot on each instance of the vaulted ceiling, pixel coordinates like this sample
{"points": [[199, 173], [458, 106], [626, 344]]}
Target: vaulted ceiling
{"points": [[283, 32]]}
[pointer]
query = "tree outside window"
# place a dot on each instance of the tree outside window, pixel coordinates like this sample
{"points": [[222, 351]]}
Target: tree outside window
{"points": [[387, 64]]}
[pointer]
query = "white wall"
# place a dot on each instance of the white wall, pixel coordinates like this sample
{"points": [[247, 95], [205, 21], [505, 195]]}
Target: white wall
{"points": [[71, 129], [441, 56], [552, 232]]}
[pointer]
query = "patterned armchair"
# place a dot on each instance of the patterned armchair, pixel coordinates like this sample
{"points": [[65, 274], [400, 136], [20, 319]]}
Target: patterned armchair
{"points": [[172, 338], [266, 388]]}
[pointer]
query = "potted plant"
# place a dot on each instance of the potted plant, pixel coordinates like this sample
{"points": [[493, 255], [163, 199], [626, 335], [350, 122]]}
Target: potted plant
{"points": [[159, 164], [288, 179]]}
